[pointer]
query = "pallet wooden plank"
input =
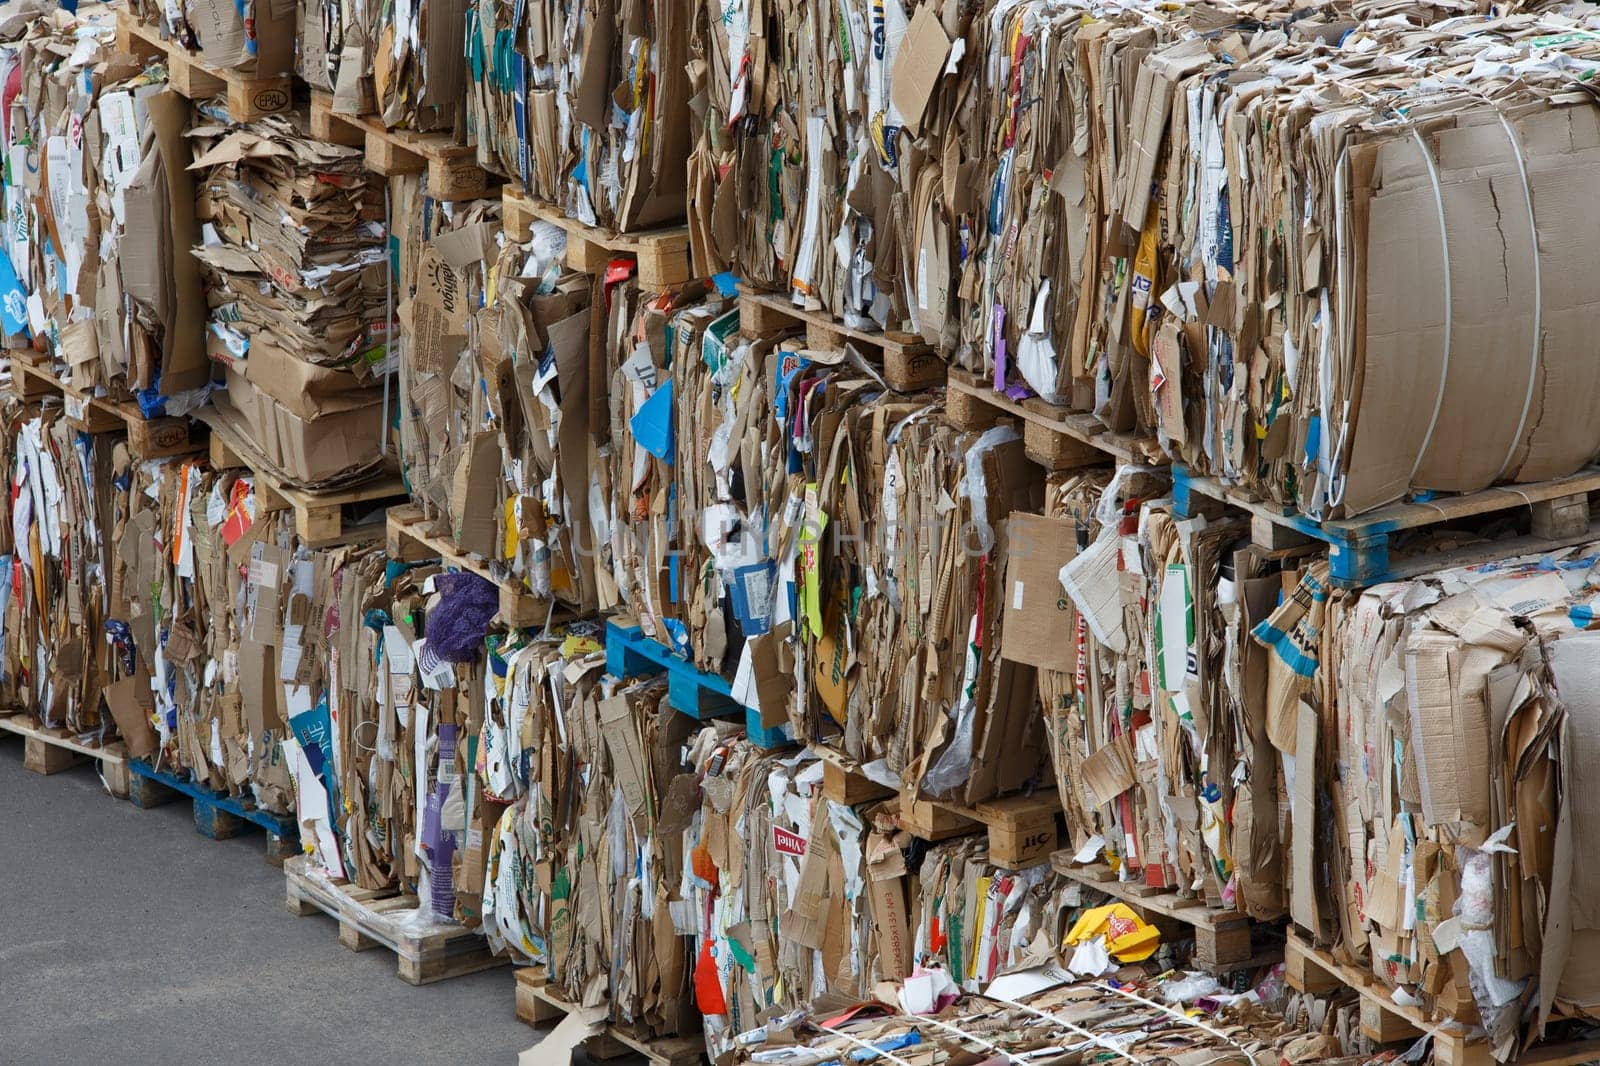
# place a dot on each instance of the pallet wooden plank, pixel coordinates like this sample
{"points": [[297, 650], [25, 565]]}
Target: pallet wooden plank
{"points": [[909, 363], [381, 918], [249, 95], [410, 537], [217, 815], [1055, 437], [661, 252], [1361, 550], [539, 1004]]}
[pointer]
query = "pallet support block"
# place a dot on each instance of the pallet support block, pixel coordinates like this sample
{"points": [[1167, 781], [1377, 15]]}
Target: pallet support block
{"points": [[1057, 451], [280, 848], [115, 774], [214, 823], [147, 794], [850, 788], [1223, 942], [42, 758], [1565, 516]]}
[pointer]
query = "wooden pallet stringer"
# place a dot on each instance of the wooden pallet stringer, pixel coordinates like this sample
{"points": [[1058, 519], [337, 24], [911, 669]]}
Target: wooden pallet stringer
{"points": [[452, 168], [1022, 829], [662, 252], [318, 516], [1361, 550], [217, 815], [1310, 969], [409, 540], [1054, 437], [370, 918], [1222, 940], [909, 363], [49, 751], [539, 1004], [250, 96]]}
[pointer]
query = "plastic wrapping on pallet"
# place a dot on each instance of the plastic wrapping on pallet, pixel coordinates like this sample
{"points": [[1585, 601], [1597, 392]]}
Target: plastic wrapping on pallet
{"points": [[586, 103], [496, 404], [292, 250], [1434, 727]]}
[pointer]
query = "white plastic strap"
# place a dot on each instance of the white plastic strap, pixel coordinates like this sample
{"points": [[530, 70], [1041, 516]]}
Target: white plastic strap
{"points": [[1098, 1040], [1449, 305], [1178, 1014], [388, 318], [1538, 293], [1347, 344]]}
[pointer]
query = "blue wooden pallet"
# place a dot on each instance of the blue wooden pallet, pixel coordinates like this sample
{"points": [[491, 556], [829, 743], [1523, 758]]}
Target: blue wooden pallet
{"points": [[1359, 548], [700, 695], [217, 815]]}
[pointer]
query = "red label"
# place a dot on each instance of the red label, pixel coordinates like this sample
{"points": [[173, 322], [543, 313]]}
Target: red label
{"points": [[788, 843]]}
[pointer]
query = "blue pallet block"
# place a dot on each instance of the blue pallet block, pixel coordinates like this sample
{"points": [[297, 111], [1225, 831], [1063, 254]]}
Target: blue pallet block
{"points": [[1358, 552], [779, 736], [629, 653], [217, 815]]}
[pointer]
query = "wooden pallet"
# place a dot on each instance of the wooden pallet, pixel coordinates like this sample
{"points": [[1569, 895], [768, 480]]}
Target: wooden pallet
{"points": [[1053, 436], [217, 815], [1022, 829], [1310, 969], [909, 363], [696, 693], [49, 751], [409, 541], [452, 168], [375, 918], [1222, 940], [148, 438], [250, 96], [539, 1005], [1361, 550], [31, 380], [319, 517], [661, 252]]}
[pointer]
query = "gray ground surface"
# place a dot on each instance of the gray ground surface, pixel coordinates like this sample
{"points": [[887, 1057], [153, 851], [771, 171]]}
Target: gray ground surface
{"points": [[127, 937]]}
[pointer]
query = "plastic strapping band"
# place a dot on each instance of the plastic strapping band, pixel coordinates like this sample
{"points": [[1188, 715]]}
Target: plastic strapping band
{"points": [[388, 317], [1449, 304], [1099, 1041], [1347, 344], [891, 1056], [1173, 1012], [1538, 293]]}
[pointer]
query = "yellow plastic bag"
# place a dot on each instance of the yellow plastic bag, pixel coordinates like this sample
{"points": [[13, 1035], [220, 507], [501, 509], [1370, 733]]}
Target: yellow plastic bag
{"points": [[1129, 938]]}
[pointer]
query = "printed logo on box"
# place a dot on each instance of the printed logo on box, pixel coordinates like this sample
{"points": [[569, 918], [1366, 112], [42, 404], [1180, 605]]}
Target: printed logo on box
{"points": [[788, 843]]}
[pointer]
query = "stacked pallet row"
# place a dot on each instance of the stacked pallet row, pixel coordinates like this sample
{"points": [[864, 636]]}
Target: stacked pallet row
{"points": [[1001, 541]]}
